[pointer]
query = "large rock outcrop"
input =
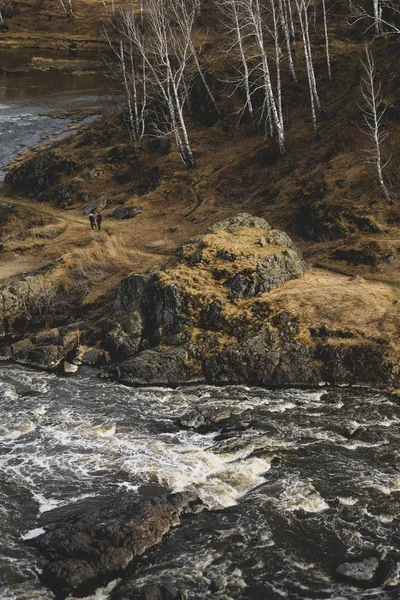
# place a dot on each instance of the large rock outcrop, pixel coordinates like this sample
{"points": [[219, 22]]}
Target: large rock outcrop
{"points": [[37, 175], [209, 318], [201, 320]]}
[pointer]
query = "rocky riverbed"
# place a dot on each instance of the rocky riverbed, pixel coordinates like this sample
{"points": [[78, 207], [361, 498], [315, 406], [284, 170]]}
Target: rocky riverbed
{"points": [[199, 492]]}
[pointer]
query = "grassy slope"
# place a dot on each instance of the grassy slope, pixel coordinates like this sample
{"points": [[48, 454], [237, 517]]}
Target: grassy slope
{"points": [[320, 190], [46, 25]]}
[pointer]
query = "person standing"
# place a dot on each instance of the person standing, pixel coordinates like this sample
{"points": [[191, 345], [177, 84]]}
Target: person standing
{"points": [[92, 221], [99, 219]]}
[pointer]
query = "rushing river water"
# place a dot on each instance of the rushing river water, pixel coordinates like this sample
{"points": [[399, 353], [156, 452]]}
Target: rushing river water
{"points": [[300, 483], [28, 97]]}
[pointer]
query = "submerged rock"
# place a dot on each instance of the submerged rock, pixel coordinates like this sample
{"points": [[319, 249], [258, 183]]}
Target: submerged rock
{"points": [[146, 592], [364, 570]]}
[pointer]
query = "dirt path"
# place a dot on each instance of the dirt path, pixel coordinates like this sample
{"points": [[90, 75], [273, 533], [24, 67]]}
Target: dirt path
{"points": [[42, 234], [32, 247]]}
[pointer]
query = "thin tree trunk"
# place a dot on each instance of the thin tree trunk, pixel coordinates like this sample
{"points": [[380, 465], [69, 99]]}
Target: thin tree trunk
{"points": [[129, 100], [308, 68], [328, 61], [287, 36]]}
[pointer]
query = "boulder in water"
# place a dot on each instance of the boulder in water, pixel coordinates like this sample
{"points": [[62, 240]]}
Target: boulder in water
{"points": [[364, 570], [95, 539]]}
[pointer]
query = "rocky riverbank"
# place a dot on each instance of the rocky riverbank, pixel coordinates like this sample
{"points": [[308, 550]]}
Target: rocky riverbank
{"points": [[237, 305], [210, 318]]}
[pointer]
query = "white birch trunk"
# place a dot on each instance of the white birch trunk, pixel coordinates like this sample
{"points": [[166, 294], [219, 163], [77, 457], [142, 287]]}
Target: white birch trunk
{"points": [[278, 53], [273, 115], [377, 16], [373, 115], [303, 18], [328, 60], [132, 127], [310, 61], [287, 36], [288, 3]]}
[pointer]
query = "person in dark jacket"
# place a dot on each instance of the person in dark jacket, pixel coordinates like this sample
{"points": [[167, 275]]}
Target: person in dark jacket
{"points": [[92, 221], [99, 219]]}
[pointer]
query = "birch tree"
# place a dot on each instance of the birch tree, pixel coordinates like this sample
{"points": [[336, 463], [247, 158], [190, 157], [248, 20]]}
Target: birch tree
{"points": [[373, 110], [377, 16], [131, 67], [109, 11], [3, 8], [302, 9], [235, 29], [258, 29], [67, 7], [167, 54], [328, 60], [288, 32], [183, 11], [380, 24]]}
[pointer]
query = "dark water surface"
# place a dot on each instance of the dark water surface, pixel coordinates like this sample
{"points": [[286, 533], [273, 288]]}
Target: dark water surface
{"points": [[26, 94], [309, 480]]}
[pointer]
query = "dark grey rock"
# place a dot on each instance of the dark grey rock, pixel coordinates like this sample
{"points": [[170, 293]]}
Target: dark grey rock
{"points": [[261, 358], [92, 356], [361, 362], [364, 570], [70, 367], [125, 212], [270, 272], [98, 538], [34, 176], [21, 349], [64, 193], [5, 353], [45, 357], [47, 336], [210, 418], [95, 205], [153, 367], [92, 174], [146, 313]]}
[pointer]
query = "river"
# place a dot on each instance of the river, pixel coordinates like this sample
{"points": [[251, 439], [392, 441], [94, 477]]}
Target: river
{"points": [[305, 480], [28, 97]]}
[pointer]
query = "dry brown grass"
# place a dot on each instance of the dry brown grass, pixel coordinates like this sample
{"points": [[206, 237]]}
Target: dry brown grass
{"points": [[323, 299], [101, 264]]}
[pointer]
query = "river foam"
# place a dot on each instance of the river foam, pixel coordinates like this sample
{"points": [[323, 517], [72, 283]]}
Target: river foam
{"points": [[286, 489]]}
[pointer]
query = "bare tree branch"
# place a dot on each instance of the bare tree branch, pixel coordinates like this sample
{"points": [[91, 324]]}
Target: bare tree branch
{"points": [[373, 110]]}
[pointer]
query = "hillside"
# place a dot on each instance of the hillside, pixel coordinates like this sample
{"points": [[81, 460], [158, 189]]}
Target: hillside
{"points": [[48, 25], [321, 192]]}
